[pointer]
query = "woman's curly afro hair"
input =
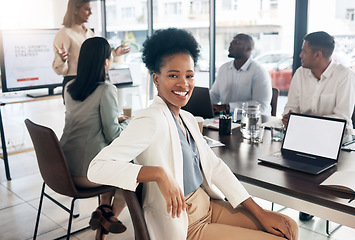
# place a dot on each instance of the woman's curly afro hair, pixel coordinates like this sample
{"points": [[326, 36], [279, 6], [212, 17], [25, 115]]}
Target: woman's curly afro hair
{"points": [[165, 43]]}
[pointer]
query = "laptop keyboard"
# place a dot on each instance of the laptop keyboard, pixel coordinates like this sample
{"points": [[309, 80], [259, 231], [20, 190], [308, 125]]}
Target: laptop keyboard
{"points": [[301, 161], [310, 162]]}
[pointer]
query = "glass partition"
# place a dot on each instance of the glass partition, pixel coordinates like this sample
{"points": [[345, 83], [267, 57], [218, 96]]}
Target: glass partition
{"points": [[126, 23], [269, 22], [192, 15], [337, 19]]}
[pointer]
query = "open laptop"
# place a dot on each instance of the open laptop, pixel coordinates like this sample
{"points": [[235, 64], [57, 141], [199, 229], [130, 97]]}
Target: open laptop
{"points": [[200, 103], [120, 76], [311, 144]]}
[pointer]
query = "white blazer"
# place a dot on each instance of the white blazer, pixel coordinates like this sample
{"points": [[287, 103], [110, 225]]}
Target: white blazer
{"points": [[151, 139]]}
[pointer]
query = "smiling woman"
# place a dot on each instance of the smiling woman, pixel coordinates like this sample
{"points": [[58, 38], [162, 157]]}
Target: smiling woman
{"points": [[175, 81], [178, 170]]}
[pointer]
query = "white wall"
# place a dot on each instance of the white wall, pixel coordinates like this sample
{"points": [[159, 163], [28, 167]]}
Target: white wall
{"points": [[32, 14], [24, 14]]}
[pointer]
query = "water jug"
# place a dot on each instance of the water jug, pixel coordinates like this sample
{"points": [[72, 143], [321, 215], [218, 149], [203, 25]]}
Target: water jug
{"points": [[251, 119]]}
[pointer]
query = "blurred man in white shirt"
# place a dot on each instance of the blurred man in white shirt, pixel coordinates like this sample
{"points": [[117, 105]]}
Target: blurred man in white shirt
{"points": [[241, 79], [321, 86]]}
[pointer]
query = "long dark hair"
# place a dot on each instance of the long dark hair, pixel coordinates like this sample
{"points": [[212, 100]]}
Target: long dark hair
{"points": [[91, 68]]}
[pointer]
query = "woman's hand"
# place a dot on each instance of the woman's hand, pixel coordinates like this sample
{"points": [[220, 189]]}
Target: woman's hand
{"points": [[121, 50], [62, 52], [123, 118], [276, 224], [272, 222], [175, 200]]}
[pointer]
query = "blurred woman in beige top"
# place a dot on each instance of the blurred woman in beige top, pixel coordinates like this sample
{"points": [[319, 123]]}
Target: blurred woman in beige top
{"points": [[69, 38]]}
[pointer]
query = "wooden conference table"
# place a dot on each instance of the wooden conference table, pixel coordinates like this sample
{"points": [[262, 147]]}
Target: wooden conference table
{"points": [[289, 188]]}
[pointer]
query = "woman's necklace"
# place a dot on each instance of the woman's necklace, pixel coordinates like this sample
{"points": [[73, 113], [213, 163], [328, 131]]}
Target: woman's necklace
{"points": [[179, 120]]}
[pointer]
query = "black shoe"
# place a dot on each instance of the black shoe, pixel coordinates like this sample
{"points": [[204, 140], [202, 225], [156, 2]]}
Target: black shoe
{"points": [[102, 216], [305, 216]]}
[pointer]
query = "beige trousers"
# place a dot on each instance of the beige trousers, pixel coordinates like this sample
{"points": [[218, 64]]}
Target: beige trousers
{"points": [[217, 219]]}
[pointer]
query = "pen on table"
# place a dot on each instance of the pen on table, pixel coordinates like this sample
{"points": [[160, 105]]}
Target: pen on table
{"points": [[227, 109], [353, 197]]}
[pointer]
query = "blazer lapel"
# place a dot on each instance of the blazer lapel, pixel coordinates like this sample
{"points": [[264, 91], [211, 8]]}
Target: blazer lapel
{"points": [[175, 140], [197, 136]]}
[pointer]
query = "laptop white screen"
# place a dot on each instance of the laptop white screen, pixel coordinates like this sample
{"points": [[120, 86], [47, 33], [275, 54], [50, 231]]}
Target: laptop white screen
{"points": [[120, 76], [316, 136]]}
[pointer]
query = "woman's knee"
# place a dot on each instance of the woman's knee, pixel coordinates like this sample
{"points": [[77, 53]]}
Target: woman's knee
{"points": [[294, 226], [224, 213]]}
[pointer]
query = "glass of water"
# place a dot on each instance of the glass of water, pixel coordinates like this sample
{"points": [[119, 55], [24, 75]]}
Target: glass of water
{"points": [[251, 119], [277, 132], [257, 134]]}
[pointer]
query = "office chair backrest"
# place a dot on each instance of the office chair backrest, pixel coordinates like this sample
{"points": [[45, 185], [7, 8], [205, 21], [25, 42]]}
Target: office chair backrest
{"points": [[275, 96], [136, 212], [51, 160]]}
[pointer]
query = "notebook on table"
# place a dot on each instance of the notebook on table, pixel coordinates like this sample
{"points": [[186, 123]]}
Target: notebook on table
{"points": [[311, 144], [200, 103]]}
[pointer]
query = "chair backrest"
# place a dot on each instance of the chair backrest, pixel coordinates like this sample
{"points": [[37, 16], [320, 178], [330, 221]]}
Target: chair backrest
{"points": [[275, 96], [136, 212], [51, 160]]}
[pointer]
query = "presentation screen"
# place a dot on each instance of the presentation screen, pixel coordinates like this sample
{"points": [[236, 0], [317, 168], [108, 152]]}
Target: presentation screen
{"points": [[26, 60]]}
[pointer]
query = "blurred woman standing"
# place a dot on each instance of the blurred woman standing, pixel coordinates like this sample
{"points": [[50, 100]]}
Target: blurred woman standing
{"points": [[69, 38]]}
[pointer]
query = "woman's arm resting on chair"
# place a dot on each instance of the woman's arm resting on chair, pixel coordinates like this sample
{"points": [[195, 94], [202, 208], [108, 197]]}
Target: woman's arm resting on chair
{"points": [[175, 201]]}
